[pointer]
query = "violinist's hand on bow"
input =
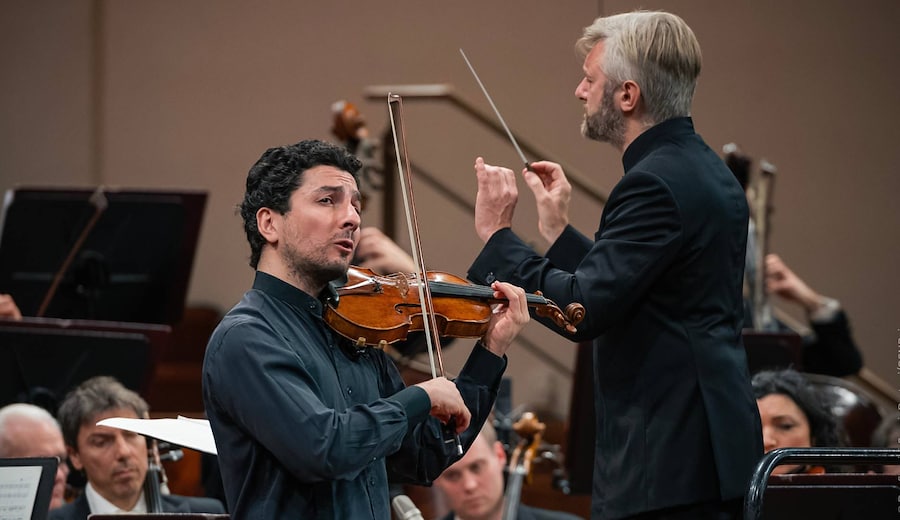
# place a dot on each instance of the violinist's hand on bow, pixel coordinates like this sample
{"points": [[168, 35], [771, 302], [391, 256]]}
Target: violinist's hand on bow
{"points": [[496, 200], [507, 319], [446, 402], [552, 193]]}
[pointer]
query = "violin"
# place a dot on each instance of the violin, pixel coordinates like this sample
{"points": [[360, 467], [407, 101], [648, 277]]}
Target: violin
{"points": [[377, 310]]}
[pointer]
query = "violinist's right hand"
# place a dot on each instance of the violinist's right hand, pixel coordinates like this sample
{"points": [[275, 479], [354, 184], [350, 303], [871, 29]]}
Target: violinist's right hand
{"points": [[8, 308], [552, 193], [446, 402]]}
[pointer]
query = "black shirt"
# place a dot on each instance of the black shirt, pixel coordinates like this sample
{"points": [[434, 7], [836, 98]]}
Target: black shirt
{"points": [[306, 426]]}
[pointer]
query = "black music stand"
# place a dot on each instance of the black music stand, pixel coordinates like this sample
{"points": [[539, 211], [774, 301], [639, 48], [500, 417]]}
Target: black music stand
{"points": [[23, 478], [131, 252], [773, 350], [41, 359]]}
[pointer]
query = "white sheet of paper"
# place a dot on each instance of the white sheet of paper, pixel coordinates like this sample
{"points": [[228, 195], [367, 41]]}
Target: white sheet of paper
{"points": [[18, 487], [183, 431]]}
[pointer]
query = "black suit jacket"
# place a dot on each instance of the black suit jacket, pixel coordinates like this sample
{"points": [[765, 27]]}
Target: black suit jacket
{"points": [[79, 509], [661, 284]]}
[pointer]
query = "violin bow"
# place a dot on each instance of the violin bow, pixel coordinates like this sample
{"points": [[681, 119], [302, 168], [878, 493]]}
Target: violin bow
{"points": [[432, 337]]}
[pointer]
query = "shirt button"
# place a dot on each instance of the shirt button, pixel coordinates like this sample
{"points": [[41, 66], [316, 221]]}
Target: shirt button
{"points": [[490, 278], [349, 391]]}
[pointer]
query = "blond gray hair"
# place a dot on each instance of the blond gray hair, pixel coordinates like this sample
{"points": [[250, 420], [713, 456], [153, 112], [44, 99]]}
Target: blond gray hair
{"points": [[656, 50]]}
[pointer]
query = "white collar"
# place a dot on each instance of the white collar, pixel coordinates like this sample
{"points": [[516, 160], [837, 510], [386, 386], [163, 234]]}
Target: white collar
{"points": [[102, 506]]}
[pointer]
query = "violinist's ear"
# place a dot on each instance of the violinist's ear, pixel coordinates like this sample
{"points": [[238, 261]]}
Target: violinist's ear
{"points": [[269, 224]]}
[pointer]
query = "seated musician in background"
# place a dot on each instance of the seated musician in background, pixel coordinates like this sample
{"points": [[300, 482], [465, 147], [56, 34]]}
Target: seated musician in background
{"points": [[8, 308], [114, 461], [473, 485], [307, 424], [27, 430], [793, 415], [830, 350]]}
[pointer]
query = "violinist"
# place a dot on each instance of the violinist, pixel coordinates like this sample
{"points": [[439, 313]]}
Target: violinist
{"points": [[308, 424], [660, 279], [473, 485], [114, 461]]}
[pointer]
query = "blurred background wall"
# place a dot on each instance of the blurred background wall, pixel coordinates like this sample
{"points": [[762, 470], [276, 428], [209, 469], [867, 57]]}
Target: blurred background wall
{"points": [[188, 94]]}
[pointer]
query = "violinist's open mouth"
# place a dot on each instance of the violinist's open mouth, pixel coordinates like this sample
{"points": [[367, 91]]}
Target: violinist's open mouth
{"points": [[345, 245]]}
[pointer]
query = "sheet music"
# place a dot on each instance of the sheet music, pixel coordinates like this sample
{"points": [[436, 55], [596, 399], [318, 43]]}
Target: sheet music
{"points": [[18, 489], [183, 431]]}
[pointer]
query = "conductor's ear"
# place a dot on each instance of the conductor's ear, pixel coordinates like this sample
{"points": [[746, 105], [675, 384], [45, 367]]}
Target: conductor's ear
{"points": [[629, 96]]}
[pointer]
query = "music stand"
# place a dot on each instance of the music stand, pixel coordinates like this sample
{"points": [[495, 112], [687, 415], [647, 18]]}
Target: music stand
{"points": [[41, 359], [26, 487], [773, 350], [129, 252]]}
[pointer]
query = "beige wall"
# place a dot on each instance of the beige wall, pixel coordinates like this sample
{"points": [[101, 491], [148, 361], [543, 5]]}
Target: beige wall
{"points": [[188, 94]]}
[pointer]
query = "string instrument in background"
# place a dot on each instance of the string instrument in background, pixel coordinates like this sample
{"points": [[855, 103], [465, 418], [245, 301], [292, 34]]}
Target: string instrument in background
{"points": [[759, 189], [155, 482], [530, 430], [349, 127]]}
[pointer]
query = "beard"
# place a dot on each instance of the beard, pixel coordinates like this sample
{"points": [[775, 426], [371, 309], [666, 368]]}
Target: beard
{"points": [[607, 124], [316, 268]]}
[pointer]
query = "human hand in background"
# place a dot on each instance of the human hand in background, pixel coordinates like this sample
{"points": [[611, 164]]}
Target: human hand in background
{"points": [[379, 253], [8, 308]]}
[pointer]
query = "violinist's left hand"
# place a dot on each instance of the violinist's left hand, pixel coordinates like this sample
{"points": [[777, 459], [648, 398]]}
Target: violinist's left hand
{"points": [[495, 202], [507, 320]]}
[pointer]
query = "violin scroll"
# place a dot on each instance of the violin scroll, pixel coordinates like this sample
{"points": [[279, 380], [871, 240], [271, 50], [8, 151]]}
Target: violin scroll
{"points": [[567, 320]]}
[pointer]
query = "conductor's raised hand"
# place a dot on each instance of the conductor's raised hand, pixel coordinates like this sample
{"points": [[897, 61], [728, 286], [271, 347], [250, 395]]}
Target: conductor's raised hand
{"points": [[446, 402], [507, 319], [496, 200], [552, 193]]}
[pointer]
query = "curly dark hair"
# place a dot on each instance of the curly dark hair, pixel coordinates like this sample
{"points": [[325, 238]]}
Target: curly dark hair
{"points": [[278, 173], [823, 427]]}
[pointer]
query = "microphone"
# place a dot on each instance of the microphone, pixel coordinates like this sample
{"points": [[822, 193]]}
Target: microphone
{"points": [[405, 509]]}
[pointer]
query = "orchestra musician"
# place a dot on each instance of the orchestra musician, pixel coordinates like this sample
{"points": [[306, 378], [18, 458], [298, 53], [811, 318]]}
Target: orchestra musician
{"points": [[308, 425], [114, 461], [793, 414], [27, 430], [678, 428], [830, 349], [473, 485]]}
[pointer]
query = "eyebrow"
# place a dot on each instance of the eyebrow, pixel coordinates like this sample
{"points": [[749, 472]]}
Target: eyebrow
{"points": [[337, 189]]}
